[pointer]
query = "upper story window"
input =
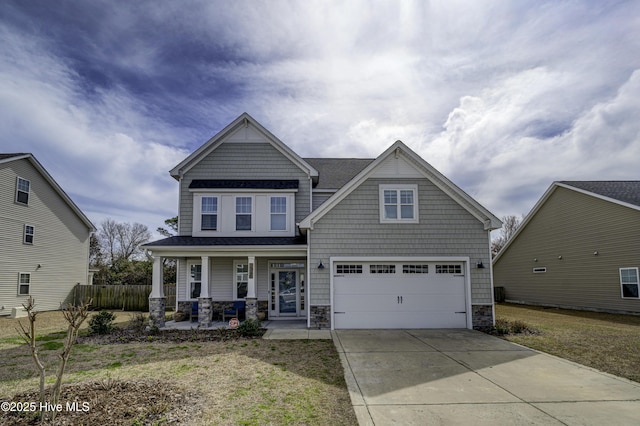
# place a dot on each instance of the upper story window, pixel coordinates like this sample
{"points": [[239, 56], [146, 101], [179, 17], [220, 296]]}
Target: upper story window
{"points": [[399, 203], [209, 219], [243, 213], [28, 234], [22, 191], [278, 213], [629, 282]]}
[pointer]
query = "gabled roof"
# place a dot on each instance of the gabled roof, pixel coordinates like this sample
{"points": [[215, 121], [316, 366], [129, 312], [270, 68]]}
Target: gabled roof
{"points": [[6, 158], [425, 169], [334, 173], [624, 193], [243, 120]]}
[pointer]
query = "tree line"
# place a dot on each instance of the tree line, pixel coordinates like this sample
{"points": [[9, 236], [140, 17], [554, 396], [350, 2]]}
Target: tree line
{"points": [[115, 251]]}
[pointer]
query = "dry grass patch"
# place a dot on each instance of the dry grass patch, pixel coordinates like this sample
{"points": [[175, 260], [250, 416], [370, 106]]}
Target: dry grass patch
{"points": [[239, 381], [607, 342]]}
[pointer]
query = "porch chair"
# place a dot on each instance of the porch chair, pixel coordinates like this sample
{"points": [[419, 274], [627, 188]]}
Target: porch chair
{"points": [[194, 311], [238, 308]]}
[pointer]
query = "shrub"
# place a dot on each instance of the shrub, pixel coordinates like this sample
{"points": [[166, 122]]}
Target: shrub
{"points": [[504, 327], [249, 328], [102, 323], [138, 322]]}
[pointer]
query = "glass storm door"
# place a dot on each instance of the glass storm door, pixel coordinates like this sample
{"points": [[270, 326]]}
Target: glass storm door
{"points": [[287, 292]]}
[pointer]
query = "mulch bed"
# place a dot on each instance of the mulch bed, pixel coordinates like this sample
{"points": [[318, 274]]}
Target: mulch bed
{"points": [[167, 336], [112, 401]]}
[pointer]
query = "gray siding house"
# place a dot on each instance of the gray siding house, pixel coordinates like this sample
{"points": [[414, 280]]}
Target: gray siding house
{"points": [[44, 237], [579, 248], [341, 243]]}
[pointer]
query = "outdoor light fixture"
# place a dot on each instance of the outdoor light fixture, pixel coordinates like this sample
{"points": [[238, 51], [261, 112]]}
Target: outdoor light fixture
{"points": [[480, 265], [595, 253], [321, 266], [559, 257]]}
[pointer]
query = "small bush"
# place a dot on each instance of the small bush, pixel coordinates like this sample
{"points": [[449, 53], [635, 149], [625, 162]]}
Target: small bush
{"points": [[249, 328], [504, 327], [138, 322], [102, 323]]}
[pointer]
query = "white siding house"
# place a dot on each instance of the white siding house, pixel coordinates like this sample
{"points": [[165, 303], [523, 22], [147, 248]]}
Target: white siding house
{"points": [[44, 237]]}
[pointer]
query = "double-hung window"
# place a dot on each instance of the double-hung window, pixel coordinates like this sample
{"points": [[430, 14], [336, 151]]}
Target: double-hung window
{"points": [[28, 234], [629, 282], [209, 213], [278, 213], [24, 283], [398, 203], [243, 213], [22, 191]]}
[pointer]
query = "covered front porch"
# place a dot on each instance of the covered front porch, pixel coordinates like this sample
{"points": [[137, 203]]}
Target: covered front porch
{"points": [[266, 283]]}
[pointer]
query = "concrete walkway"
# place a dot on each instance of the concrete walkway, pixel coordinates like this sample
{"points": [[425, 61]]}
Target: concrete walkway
{"points": [[467, 377]]}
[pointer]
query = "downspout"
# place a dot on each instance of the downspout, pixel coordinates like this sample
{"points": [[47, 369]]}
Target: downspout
{"points": [[493, 304]]}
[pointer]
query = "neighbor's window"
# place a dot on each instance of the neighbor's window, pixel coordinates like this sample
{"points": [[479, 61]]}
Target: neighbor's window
{"points": [[242, 280], [209, 214], [22, 191], [243, 214], [24, 283], [278, 213], [195, 280], [28, 234], [399, 204], [629, 282]]}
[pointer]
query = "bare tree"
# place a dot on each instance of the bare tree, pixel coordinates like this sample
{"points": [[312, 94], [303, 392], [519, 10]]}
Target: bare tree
{"points": [[122, 240], [29, 336], [510, 225]]}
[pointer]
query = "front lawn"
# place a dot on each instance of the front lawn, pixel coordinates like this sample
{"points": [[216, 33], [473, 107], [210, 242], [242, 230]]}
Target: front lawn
{"points": [[607, 342], [239, 381]]}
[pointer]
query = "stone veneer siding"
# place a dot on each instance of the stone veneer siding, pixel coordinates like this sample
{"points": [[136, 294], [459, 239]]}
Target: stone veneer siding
{"points": [[157, 307], [482, 317], [320, 316]]}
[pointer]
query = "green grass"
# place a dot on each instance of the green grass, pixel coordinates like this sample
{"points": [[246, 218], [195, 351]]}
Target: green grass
{"points": [[607, 342]]}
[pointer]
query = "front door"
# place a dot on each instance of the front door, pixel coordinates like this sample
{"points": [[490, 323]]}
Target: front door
{"points": [[287, 290]]}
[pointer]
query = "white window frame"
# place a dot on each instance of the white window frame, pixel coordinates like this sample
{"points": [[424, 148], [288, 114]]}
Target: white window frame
{"points": [[251, 215], [26, 234], [215, 213], [22, 190], [285, 213], [236, 264], [398, 188], [28, 283], [637, 283], [190, 264]]}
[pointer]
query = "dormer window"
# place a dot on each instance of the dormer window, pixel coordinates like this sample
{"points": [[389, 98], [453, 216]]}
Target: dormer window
{"points": [[22, 191]]}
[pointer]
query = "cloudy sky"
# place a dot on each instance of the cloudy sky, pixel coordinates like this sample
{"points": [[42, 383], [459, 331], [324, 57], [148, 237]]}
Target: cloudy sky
{"points": [[503, 97]]}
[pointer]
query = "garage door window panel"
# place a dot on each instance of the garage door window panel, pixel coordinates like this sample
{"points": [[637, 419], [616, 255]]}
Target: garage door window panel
{"points": [[382, 269]]}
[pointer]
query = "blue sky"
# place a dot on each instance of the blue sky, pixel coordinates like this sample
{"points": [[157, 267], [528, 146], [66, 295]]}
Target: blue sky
{"points": [[503, 97]]}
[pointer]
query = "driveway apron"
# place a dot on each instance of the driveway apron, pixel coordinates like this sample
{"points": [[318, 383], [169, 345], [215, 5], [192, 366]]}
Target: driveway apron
{"points": [[464, 376]]}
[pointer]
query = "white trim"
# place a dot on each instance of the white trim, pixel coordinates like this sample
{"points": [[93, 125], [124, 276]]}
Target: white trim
{"points": [[428, 171], [243, 120], [20, 274], [637, 282], [463, 259], [398, 188]]}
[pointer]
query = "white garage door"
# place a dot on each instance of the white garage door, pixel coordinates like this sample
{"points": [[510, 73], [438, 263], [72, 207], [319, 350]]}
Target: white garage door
{"points": [[399, 295]]}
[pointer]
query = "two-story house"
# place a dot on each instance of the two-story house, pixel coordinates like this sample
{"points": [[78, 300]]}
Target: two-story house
{"points": [[343, 243], [44, 237]]}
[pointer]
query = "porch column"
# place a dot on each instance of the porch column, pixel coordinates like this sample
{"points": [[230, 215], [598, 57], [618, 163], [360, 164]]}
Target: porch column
{"points": [[251, 299], [204, 301], [157, 301]]}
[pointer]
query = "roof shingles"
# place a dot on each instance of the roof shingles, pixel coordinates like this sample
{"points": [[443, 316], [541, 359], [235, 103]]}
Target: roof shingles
{"points": [[626, 191]]}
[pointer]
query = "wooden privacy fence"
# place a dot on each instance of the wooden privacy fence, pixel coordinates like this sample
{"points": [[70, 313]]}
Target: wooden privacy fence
{"points": [[124, 297]]}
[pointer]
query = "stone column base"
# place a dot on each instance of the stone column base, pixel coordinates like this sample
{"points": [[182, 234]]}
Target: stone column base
{"points": [[482, 316], [320, 316], [251, 309], [157, 307], [205, 311]]}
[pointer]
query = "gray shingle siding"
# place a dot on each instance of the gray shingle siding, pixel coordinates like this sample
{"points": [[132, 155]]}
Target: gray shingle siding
{"points": [[574, 226], [239, 161], [61, 241], [353, 228]]}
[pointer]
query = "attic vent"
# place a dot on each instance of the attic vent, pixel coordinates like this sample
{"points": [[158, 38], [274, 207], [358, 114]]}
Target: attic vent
{"points": [[539, 270]]}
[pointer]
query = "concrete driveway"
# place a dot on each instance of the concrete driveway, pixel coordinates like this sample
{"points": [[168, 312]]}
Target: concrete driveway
{"points": [[466, 377]]}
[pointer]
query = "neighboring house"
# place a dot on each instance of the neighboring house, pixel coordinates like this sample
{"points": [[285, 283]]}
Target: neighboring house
{"points": [[343, 243], [578, 248], [44, 237]]}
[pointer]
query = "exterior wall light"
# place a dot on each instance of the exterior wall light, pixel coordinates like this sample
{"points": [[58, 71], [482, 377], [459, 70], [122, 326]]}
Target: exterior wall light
{"points": [[321, 266]]}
